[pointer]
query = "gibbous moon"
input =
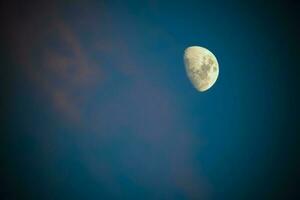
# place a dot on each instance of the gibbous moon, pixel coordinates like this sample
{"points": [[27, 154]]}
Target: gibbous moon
{"points": [[201, 66]]}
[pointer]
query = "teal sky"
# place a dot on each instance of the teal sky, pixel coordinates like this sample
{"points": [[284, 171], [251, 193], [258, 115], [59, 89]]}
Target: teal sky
{"points": [[98, 104]]}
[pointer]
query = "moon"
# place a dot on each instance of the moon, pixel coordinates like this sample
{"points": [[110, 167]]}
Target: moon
{"points": [[201, 66]]}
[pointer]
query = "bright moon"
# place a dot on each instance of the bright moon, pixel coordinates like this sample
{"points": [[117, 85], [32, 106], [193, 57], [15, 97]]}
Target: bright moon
{"points": [[201, 66]]}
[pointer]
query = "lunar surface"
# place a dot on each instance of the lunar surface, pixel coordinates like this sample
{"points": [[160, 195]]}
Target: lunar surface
{"points": [[201, 66]]}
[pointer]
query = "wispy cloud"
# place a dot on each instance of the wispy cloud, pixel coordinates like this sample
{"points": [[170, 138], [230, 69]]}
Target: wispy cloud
{"points": [[63, 77], [62, 69]]}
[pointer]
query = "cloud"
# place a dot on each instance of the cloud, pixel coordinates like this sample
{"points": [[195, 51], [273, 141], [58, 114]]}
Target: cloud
{"points": [[52, 56], [119, 106]]}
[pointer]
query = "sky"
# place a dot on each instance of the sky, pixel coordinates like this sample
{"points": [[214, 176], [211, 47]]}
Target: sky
{"points": [[97, 104]]}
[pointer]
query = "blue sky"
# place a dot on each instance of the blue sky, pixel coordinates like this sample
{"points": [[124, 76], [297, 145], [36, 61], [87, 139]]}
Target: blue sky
{"points": [[101, 106]]}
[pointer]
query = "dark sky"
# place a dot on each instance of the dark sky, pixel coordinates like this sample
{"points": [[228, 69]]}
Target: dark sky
{"points": [[96, 103]]}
